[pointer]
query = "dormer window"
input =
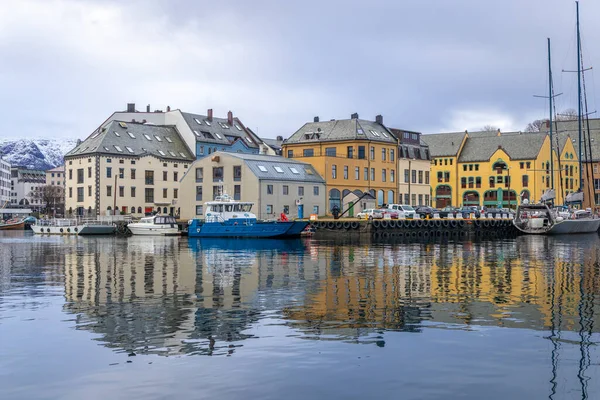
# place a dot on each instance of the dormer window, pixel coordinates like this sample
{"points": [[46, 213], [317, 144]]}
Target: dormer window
{"points": [[158, 138], [172, 154], [120, 150], [131, 135], [129, 149], [207, 122], [198, 121], [148, 137], [294, 170], [239, 128], [360, 131], [218, 136], [197, 133], [278, 169], [162, 153], [262, 168], [117, 133]]}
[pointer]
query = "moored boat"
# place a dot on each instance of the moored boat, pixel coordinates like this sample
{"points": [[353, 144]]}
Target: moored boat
{"points": [[72, 226], [229, 218], [157, 225], [12, 224], [539, 219]]}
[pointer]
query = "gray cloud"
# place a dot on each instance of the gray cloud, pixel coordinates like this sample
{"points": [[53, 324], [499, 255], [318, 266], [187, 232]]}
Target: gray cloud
{"points": [[428, 66]]}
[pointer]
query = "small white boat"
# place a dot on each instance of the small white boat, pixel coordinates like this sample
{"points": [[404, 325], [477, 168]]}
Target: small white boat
{"points": [[157, 225], [72, 226], [538, 219]]}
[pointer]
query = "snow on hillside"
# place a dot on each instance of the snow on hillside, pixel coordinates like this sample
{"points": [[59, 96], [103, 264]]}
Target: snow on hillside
{"points": [[35, 153]]}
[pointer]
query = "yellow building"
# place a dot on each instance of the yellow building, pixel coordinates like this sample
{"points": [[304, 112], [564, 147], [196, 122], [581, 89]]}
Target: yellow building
{"points": [[496, 169], [354, 156]]}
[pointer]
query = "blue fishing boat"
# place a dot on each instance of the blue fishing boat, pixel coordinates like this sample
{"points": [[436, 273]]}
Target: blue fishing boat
{"points": [[229, 218]]}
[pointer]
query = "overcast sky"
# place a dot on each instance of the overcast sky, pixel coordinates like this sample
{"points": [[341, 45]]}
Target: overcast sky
{"points": [[427, 65]]}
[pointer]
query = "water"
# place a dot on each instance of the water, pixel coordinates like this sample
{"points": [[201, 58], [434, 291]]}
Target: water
{"points": [[159, 318]]}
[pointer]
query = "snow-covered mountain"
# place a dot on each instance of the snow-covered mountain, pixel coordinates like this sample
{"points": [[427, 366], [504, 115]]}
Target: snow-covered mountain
{"points": [[36, 153]]}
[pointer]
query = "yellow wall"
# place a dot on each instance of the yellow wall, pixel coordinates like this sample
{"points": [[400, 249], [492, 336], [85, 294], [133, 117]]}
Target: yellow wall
{"points": [[446, 165]]}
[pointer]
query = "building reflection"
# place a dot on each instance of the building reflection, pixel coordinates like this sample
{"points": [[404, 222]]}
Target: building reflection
{"points": [[202, 296]]}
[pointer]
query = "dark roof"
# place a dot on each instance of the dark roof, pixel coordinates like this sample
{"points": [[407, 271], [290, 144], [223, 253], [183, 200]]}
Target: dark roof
{"points": [[444, 144], [218, 131], [131, 139], [569, 130], [305, 171], [525, 146], [273, 143], [345, 129]]}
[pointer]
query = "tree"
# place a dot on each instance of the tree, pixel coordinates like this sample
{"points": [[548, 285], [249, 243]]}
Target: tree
{"points": [[542, 124], [567, 115], [52, 197], [536, 126], [489, 128]]}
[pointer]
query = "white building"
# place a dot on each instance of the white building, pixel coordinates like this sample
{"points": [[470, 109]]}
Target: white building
{"points": [[4, 183], [23, 183]]}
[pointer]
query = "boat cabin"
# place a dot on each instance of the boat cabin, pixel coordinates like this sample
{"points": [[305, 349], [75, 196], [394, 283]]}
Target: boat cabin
{"points": [[159, 220]]}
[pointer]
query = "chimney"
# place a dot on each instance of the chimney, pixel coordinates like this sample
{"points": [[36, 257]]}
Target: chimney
{"points": [[316, 119], [209, 112], [148, 108], [379, 119], [354, 116], [499, 146], [130, 107], [168, 108], [230, 118], [280, 138]]}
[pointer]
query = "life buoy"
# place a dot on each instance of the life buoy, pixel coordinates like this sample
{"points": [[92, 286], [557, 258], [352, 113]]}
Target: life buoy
{"points": [[413, 223], [330, 225], [486, 223], [384, 224], [346, 225], [461, 224], [437, 223], [405, 224], [453, 224], [376, 223], [338, 225], [445, 223], [354, 225], [392, 224]]}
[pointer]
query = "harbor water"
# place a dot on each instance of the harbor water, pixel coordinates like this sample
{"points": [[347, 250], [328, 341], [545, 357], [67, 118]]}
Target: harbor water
{"points": [[176, 317]]}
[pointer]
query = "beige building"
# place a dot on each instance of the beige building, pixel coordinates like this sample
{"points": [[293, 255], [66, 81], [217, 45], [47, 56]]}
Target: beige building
{"points": [[274, 184], [131, 167], [414, 165]]}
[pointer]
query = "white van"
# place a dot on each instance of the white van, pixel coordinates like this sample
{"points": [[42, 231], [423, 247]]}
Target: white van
{"points": [[408, 211]]}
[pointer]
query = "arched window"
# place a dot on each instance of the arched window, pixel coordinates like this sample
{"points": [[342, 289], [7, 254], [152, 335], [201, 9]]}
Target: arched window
{"points": [[109, 208], [390, 198], [379, 197], [164, 210], [133, 210], [335, 199], [139, 210], [90, 210]]}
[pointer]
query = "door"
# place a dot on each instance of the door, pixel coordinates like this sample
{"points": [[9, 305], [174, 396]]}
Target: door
{"points": [[351, 210]]}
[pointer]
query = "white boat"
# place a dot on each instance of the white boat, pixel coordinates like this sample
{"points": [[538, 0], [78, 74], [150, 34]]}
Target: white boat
{"points": [[72, 226], [157, 225], [538, 219]]}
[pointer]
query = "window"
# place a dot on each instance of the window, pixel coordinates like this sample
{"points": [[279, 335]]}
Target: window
{"points": [[147, 137], [121, 173], [315, 190], [420, 176], [446, 176], [414, 199], [198, 121], [427, 177], [426, 199], [237, 173], [217, 174], [149, 175], [121, 191], [383, 155], [199, 210], [70, 192], [269, 209], [528, 164], [391, 154], [308, 152], [80, 175], [262, 168], [162, 153], [471, 182], [316, 210], [330, 151], [286, 209], [407, 176], [168, 139], [149, 195], [345, 172], [109, 191], [290, 153], [286, 190], [175, 176], [165, 176], [294, 170], [175, 193], [420, 199], [383, 175], [478, 182], [120, 150], [476, 167], [269, 189], [357, 173], [133, 191], [334, 171], [464, 167], [521, 165], [89, 191], [372, 153], [132, 162], [350, 152], [207, 122], [373, 174], [300, 190], [79, 194], [366, 174], [238, 127], [129, 149], [492, 182], [278, 170], [117, 133], [165, 193], [414, 176], [463, 183], [237, 192], [525, 180], [108, 172], [361, 152], [132, 173], [198, 193], [392, 175], [470, 167]]}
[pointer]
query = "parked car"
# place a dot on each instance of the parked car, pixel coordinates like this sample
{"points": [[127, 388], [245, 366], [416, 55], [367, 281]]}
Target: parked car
{"points": [[466, 211], [444, 212], [425, 211], [392, 214], [404, 210], [370, 213]]}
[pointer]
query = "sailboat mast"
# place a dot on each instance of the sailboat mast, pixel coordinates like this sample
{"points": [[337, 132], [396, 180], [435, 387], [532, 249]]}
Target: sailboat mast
{"points": [[550, 97], [579, 95]]}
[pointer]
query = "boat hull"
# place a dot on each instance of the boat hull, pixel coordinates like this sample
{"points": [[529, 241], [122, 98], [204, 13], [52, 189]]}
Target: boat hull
{"points": [[12, 227], [575, 226], [248, 230], [92, 229], [153, 231], [56, 230]]}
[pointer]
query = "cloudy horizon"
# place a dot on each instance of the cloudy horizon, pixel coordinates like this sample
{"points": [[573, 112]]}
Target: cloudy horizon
{"points": [[428, 66]]}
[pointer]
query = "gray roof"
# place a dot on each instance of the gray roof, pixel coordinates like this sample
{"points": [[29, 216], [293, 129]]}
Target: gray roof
{"points": [[218, 131], [345, 129], [306, 172], [444, 144], [273, 143], [129, 139], [525, 146], [569, 130]]}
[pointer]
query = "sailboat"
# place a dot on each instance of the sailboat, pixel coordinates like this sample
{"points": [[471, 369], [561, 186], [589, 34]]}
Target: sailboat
{"points": [[539, 219]]}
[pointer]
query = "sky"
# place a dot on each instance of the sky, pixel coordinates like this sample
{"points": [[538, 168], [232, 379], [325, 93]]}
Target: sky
{"points": [[429, 65]]}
